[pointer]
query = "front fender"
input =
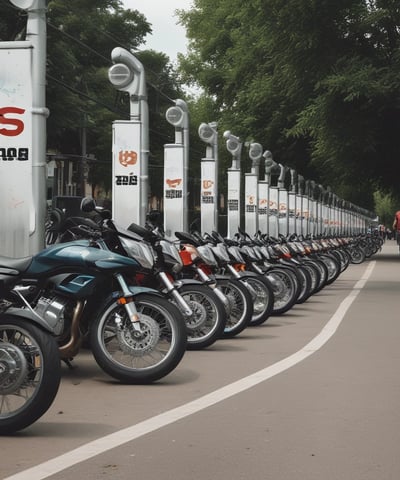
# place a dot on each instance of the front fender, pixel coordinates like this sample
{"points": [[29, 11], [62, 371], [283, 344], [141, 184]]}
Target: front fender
{"points": [[222, 276], [187, 281], [151, 291], [248, 274], [26, 315]]}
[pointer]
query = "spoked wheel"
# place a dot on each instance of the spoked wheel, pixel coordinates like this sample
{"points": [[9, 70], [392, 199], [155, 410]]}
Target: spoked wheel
{"points": [[323, 271], [207, 324], [357, 254], [30, 373], [263, 298], [315, 275], [139, 355], [285, 288], [333, 266], [241, 306], [306, 283]]}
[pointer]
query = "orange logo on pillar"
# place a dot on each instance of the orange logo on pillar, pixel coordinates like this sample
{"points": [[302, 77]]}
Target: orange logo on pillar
{"points": [[127, 157], [207, 184], [173, 183]]}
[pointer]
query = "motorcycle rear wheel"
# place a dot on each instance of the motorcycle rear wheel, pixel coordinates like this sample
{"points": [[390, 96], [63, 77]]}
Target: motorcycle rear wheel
{"points": [[134, 357], [30, 373]]}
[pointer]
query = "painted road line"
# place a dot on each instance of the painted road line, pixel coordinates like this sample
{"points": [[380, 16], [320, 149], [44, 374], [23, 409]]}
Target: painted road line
{"points": [[101, 445]]}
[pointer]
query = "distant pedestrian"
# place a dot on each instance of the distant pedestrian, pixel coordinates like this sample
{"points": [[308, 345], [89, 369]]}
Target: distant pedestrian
{"points": [[382, 231], [396, 227]]}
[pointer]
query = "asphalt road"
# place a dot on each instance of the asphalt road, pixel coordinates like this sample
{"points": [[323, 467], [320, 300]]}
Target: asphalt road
{"points": [[312, 394]]}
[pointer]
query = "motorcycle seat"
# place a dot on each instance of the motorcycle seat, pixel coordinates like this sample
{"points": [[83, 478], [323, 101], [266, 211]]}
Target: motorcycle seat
{"points": [[18, 264]]}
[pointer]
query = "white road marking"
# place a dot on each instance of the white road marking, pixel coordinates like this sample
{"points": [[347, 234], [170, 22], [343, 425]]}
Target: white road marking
{"points": [[96, 447]]}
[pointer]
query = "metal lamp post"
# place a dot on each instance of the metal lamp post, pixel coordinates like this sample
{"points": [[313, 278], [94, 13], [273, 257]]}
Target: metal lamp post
{"points": [[263, 193], [176, 166], [300, 204], [273, 203], [234, 147], [130, 141], [251, 189], [282, 200], [209, 178], [292, 203]]}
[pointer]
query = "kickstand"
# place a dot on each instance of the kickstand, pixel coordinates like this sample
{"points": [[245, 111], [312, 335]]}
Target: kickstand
{"points": [[67, 362]]}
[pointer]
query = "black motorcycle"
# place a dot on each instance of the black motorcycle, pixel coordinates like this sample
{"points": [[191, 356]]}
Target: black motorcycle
{"points": [[135, 334], [159, 267], [29, 360]]}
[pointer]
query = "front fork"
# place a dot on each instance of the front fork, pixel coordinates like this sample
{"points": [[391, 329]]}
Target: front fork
{"points": [[214, 285], [127, 301], [237, 275], [171, 290]]}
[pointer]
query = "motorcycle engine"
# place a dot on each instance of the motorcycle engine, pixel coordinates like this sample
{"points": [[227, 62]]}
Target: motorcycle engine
{"points": [[53, 310]]}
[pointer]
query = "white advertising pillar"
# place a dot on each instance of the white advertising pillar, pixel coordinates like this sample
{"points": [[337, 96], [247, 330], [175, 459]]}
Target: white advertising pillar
{"points": [[251, 190], [23, 136], [273, 220], [130, 141], [283, 199], [176, 172], [234, 147], [269, 165], [300, 222], [209, 178], [292, 202], [263, 206]]}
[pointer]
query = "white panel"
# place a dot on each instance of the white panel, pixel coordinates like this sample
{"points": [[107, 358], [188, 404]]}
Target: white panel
{"points": [[208, 196], [173, 189], [233, 202], [262, 206], [126, 172], [251, 203], [16, 196], [273, 211]]}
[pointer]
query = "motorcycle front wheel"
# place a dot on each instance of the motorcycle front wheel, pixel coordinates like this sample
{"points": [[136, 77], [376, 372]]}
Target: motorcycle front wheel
{"points": [[30, 373], [262, 296], [285, 287], [241, 306], [207, 323], [138, 356]]}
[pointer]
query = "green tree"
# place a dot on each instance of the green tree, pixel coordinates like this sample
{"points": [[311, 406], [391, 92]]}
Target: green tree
{"points": [[385, 206], [316, 82]]}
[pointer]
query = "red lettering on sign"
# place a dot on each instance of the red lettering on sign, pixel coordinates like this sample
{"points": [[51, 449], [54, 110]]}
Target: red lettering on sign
{"points": [[13, 122]]}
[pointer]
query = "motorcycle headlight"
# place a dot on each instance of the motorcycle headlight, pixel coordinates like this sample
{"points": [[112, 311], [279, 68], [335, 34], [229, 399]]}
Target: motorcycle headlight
{"points": [[141, 252], [221, 252], [257, 252], [249, 252], [236, 255], [207, 255], [171, 256]]}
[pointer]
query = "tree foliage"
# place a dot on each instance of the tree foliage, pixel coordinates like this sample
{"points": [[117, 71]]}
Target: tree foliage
{"points": [[316, 82], [385, 207]]}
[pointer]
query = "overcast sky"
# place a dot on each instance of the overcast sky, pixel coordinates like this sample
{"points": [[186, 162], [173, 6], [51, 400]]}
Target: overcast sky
{"points": [[168, 36]]}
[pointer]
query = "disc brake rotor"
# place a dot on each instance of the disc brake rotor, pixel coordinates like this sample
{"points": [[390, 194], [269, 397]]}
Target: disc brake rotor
{"points": [[199, 317], [13, 368], [140, 343]]}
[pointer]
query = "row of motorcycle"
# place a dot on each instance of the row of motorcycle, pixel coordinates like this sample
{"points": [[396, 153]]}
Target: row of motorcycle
{"points": [[139, 301]]}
